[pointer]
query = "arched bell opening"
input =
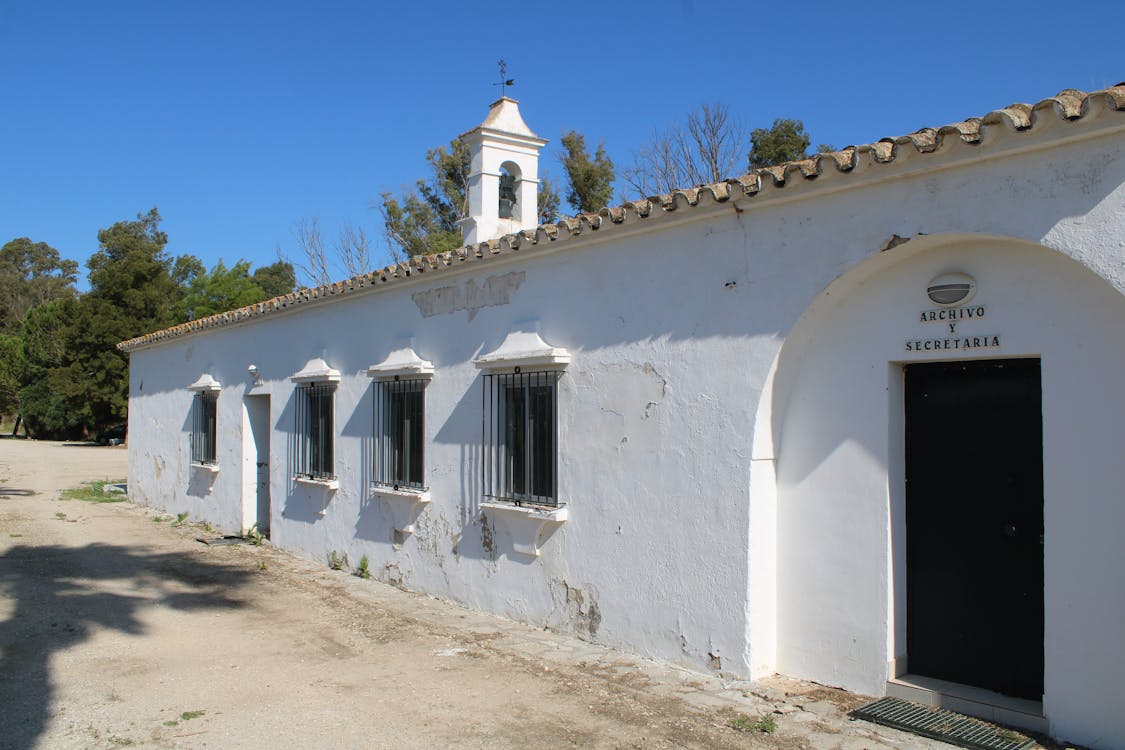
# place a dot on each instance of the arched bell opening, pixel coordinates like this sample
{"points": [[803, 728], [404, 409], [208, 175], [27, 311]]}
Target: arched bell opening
{"points": [[509, 190]]}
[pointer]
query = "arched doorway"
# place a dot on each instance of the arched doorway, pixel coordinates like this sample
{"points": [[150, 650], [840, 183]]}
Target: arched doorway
{"points": [[840, 414]]}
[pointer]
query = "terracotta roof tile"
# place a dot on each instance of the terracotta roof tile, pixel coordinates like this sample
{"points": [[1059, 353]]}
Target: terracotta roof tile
{"points": [[1065, 106]]}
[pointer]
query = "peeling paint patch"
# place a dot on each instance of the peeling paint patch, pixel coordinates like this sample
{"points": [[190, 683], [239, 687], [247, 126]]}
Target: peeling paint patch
{"points": [[487, 540], [392, 574], [432, 529], [470, 296], [652, 372], [894, 242], [576, 609]]}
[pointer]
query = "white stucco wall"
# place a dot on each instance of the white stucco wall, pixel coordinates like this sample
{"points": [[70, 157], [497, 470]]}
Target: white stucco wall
{"points": [[654, 441], [727, 444]]}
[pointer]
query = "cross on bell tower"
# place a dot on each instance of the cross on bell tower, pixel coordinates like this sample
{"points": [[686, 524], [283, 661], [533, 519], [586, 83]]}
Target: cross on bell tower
{"points": [[505, 82]]}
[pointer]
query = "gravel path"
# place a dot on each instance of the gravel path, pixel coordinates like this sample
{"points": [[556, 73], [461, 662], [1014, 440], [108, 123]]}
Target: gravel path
{"points": [[118, 629]]}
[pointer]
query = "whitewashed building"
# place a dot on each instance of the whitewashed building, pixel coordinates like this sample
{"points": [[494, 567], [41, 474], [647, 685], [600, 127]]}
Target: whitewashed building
{"points": [[856, 419]]}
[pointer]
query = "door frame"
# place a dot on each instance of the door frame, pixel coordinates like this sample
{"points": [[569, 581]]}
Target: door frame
{"points": [[962, 698], [252, 409]]}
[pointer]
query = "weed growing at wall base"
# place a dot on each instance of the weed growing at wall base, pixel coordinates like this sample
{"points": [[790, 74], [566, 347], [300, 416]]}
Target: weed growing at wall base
{"points": [[94, 492], [254, 536]]}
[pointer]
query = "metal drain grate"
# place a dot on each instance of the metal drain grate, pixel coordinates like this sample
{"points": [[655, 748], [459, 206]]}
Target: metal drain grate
{"points": [[222, 540], [939, 724]]}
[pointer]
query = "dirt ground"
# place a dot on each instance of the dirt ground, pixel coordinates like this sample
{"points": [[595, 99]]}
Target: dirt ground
{"points": [[119, 629]]}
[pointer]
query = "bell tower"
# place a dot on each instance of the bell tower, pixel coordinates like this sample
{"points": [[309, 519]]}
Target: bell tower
{"points": [[504, 176]]}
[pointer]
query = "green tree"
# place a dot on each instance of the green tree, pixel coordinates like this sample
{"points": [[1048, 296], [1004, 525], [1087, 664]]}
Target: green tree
{"points": [[219, 290], [46, 414], [275, 279], [785, 141], [424, 221], [131, 271], [133, 290], [43, 410], [42, 337], [185, 268], [11, 371], [589, 180], [31, 273]]}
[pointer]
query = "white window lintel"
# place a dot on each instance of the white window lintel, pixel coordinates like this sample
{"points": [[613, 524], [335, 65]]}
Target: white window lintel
{"points": [[400, 362], [316, 371], [524, 349], [205, 383]]}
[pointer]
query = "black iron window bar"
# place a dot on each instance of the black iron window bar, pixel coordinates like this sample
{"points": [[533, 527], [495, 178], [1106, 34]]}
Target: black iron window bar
{"points": [[400, 408], [314, 431], [520, 437], [204, 418]]}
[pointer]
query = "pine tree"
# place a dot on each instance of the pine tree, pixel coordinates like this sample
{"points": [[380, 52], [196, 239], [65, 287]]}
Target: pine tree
{"points": [[135, 288], [590, 180], [785, 141]]}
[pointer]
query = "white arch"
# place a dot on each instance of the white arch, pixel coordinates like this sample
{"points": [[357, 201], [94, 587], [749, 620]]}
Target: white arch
{"points": [[830, 424]]}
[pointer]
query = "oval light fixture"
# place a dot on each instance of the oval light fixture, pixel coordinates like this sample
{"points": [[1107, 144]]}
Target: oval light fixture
{"points": [[951, 289]]}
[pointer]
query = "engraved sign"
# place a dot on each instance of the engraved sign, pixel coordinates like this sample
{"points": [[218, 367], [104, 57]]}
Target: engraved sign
{"points": [[957, 318]]}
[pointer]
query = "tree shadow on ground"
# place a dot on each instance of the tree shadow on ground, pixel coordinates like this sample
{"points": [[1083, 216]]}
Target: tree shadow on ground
{"points": [[60, 596]]}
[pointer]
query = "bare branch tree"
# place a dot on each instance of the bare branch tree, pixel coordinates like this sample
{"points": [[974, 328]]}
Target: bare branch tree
{"points": [[707, 147], [320, 263], [353, 250], [313, 269], [396, 241]]}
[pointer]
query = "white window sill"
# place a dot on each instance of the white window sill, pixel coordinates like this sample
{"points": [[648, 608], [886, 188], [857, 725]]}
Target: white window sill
{"points": [[554, 515], [404, 493], [526, 523], [405, 505], [212, 468], [325, 484]]}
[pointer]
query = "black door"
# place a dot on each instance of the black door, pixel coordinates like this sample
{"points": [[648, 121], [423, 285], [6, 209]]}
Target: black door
{"points": [[974, 524]]}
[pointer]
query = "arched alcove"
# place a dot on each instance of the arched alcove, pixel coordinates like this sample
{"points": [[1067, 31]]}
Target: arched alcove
{"points": [[835, 422]]}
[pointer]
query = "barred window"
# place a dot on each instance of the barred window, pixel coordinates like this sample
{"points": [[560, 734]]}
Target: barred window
{"points": [[520, 437], [314, 430], [203, 428], [400, 408]]}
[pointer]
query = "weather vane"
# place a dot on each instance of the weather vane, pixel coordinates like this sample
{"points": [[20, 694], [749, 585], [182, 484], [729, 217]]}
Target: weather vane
{"points": [[505, 82]]}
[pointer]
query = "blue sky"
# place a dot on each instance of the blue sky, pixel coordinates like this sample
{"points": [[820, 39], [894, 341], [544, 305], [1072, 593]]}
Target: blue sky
{"points": [[238, 119]]}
